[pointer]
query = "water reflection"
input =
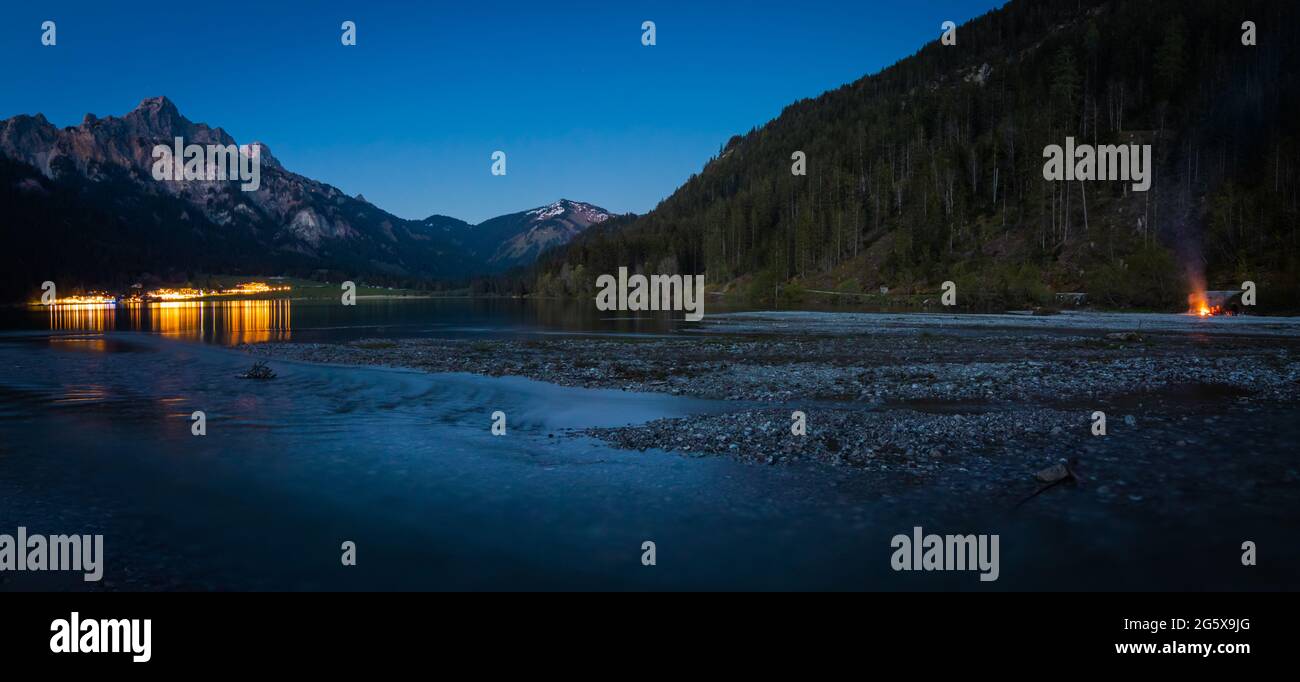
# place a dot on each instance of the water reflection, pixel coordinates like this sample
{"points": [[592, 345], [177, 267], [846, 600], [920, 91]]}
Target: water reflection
{"points": [[234, 321], [81, 393], [95, 317], [223, 322]]}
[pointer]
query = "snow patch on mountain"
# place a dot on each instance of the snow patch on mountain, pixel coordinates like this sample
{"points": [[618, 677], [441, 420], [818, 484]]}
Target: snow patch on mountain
{"points": [[545, 227]]}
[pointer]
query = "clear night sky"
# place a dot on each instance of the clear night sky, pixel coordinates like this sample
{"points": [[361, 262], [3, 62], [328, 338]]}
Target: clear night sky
{"points": [[411, 114]]}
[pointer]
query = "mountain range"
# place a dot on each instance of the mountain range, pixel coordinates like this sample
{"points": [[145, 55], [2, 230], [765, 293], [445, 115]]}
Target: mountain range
{"points": [[928, 171], [102, 219]]}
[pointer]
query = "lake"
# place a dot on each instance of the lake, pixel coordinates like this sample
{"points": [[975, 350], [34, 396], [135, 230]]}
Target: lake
{"points": [[95, 437]]}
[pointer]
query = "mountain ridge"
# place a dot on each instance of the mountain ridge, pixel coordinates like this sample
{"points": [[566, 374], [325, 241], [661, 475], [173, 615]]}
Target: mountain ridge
{"points": [[109, 203]]}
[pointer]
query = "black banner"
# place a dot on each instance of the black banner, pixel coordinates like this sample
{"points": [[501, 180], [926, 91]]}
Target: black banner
{"points": [[235, 632]]}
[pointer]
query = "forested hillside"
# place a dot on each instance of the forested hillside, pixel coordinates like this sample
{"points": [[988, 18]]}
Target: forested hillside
{"points": [[932, 170]]}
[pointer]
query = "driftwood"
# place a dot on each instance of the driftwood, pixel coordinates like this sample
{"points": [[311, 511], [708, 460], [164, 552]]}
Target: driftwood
{"points": [[259, 371]]}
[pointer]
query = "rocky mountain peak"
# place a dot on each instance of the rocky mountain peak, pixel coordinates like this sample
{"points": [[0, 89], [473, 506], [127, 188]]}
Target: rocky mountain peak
{"points": [[157, 115], [582, 212]]}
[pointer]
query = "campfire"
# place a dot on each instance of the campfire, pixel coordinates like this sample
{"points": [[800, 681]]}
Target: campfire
{"points": [[1214, 303]]}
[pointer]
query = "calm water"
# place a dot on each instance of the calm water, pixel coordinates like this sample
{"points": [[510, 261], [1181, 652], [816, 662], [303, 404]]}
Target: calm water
{"points": [[232, 322], [95, 438]]}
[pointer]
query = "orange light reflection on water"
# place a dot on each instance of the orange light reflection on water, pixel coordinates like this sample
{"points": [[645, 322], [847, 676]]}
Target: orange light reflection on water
{"points": [[225, 322], [82, 316]]}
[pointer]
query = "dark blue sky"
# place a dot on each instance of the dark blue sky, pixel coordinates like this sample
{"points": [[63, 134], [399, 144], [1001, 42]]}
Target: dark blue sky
{"points": [[411, 114]]}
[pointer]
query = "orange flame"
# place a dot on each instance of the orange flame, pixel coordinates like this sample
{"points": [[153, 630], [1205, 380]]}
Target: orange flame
{"points": [[1198, 303]]}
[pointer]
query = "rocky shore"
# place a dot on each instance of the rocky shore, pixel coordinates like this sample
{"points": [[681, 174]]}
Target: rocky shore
{"points": [[994, 366], [915, 400]]}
